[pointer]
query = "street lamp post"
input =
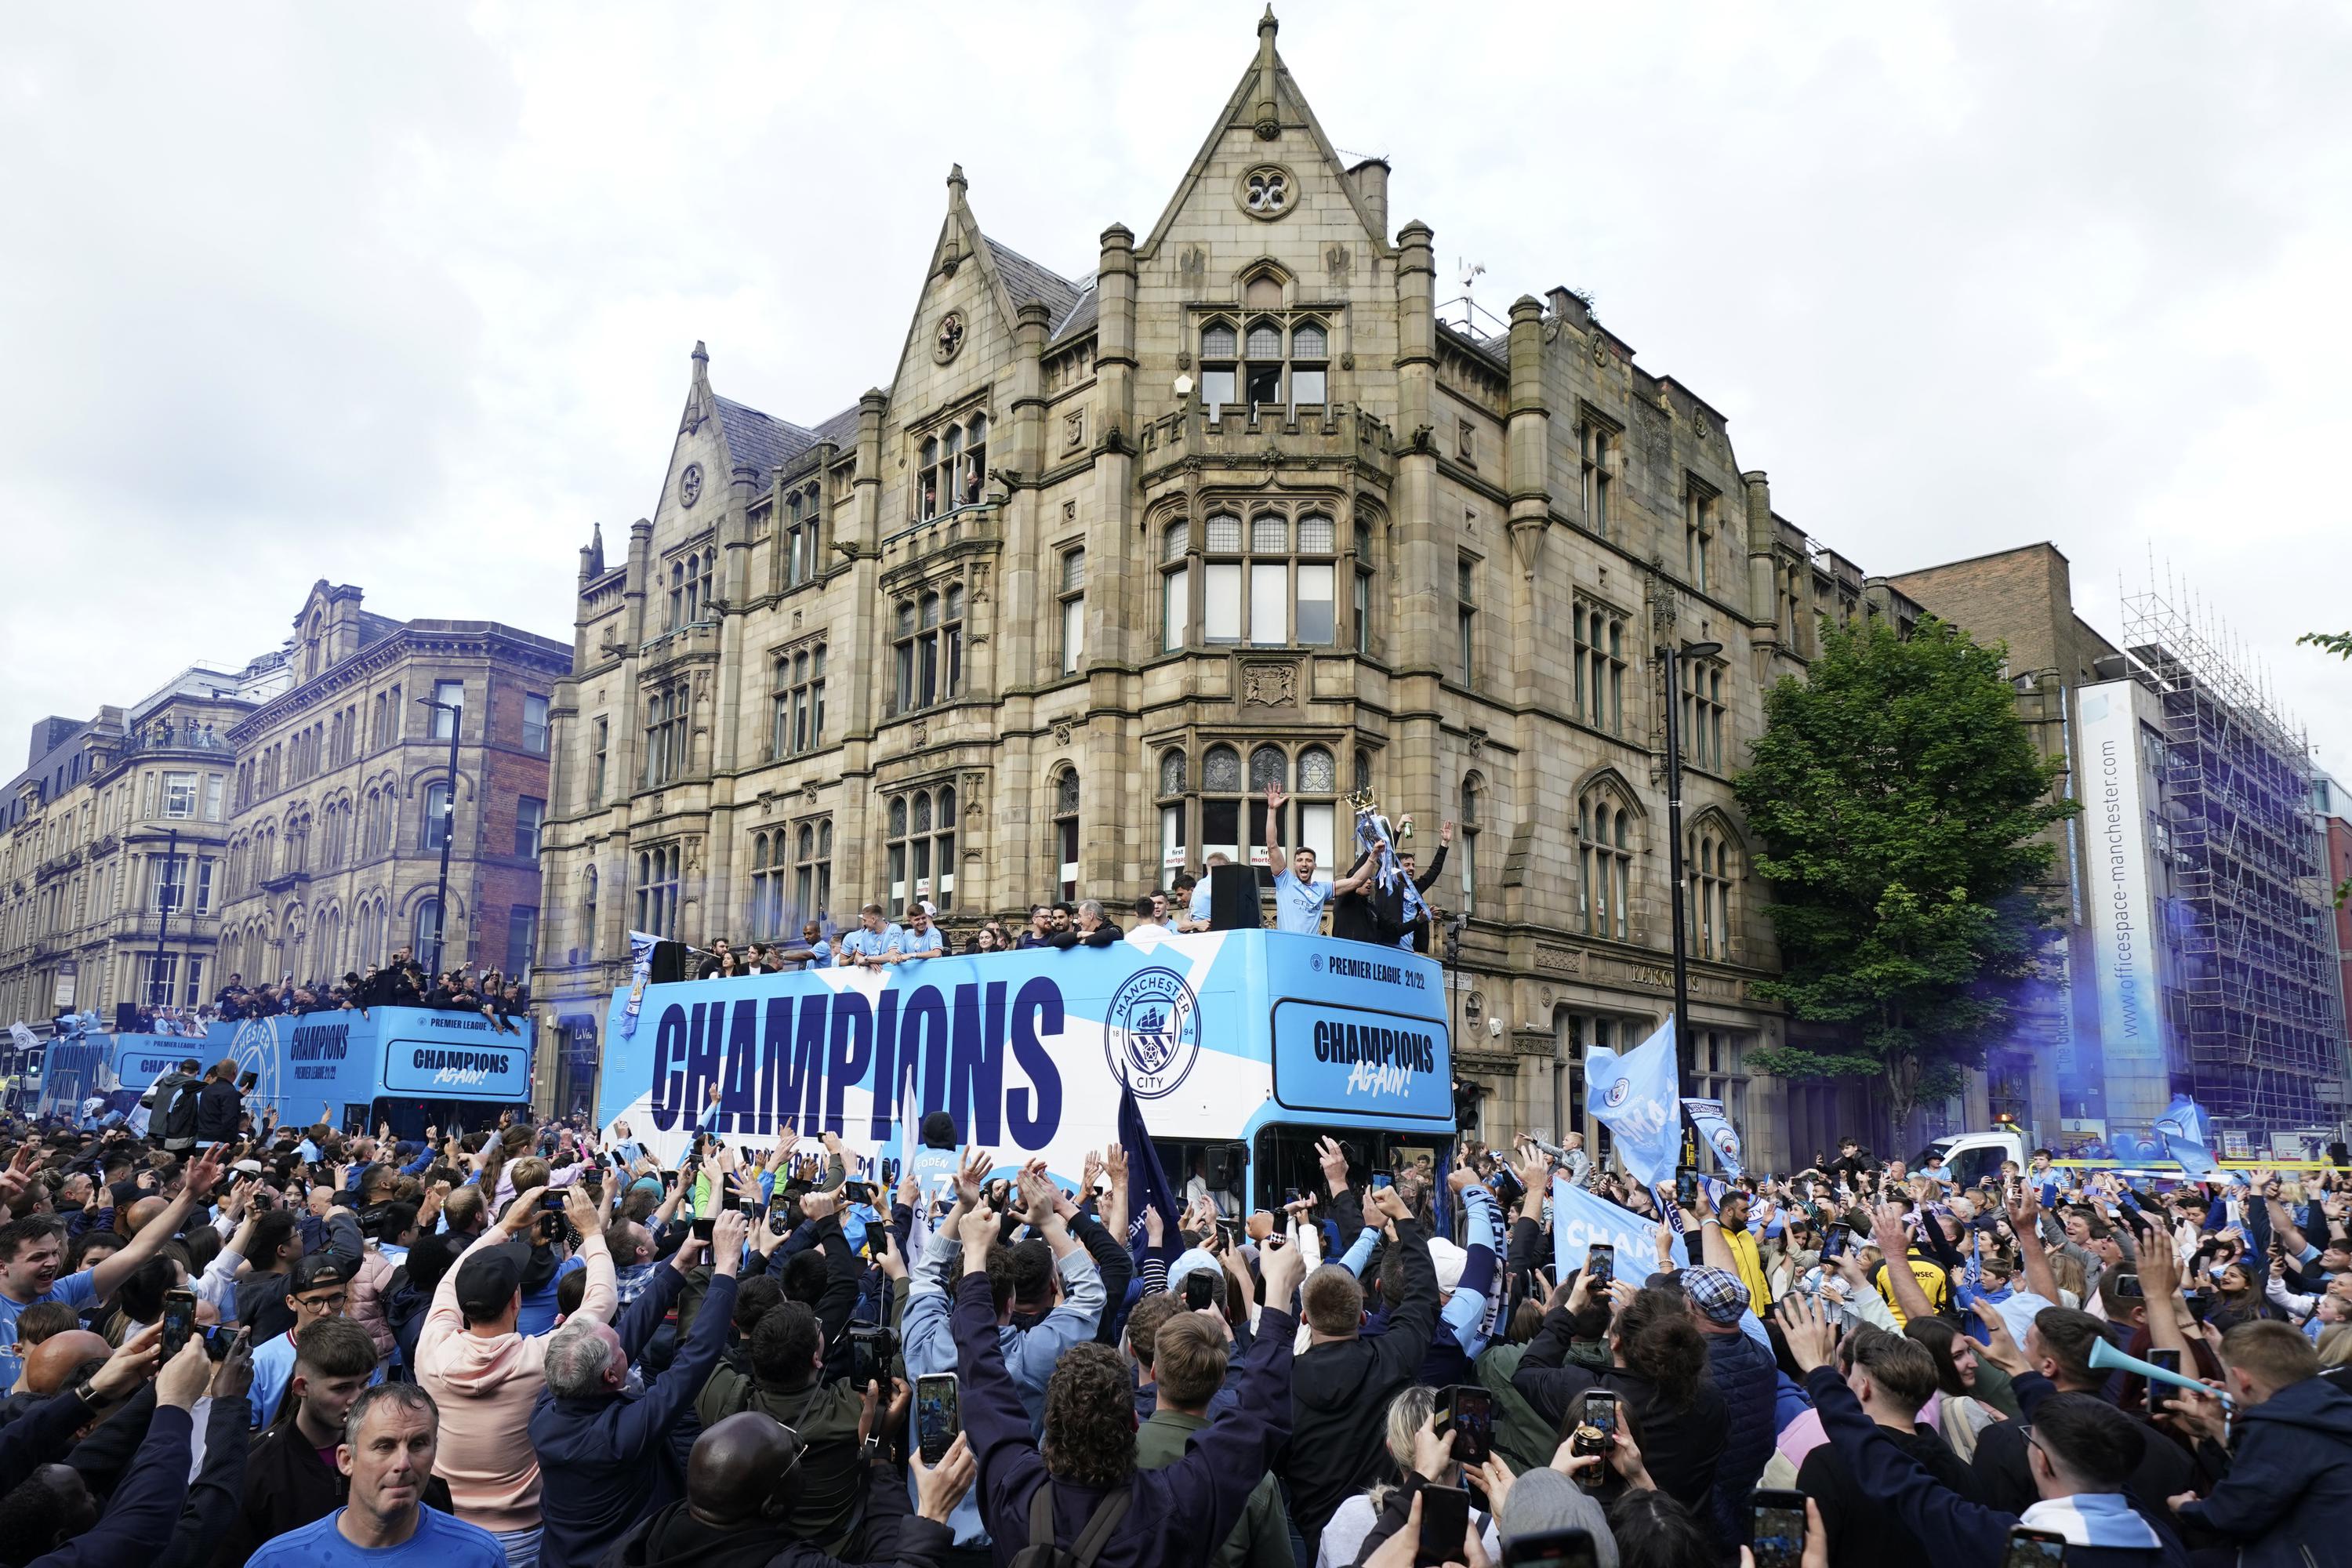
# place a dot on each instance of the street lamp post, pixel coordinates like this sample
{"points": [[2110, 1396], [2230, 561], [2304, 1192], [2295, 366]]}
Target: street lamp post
{"points": [[1669, 662], [159, 990], [457, 712]]}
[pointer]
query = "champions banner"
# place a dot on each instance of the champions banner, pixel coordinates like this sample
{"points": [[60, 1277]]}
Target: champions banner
{"points": [[1580, 1220]]}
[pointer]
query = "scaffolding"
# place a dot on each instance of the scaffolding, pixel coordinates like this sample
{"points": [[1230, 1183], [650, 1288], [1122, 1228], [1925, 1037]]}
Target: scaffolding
{"points": [[2254, 1019]]}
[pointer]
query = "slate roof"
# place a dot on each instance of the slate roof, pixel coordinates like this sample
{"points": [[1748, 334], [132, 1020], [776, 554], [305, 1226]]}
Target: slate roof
{"points": [[1025, 279], [840, 429], [1081, 318], [757, 443]]}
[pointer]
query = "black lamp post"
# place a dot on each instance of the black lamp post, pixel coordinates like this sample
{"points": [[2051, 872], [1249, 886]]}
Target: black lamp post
{"points": [[159, 990], [457, 712], [1669, 662]]}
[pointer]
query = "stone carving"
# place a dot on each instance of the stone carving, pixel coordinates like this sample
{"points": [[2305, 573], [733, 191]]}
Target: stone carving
{"points": [[951, 336], [1192, 265], [1266, 192], [1069, 512], [1062, 734], [1558, 960], [1270, 685], [1335, 261], [1073, 434], [921, 734]]}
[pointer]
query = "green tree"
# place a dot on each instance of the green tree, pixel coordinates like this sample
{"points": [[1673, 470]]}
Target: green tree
{"points": [[2341, 645], [1899, 802]]}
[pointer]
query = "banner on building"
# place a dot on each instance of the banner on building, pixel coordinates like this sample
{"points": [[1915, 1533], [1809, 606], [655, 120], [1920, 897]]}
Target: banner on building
{"points": [[2122, 915], [1633, 1096]]}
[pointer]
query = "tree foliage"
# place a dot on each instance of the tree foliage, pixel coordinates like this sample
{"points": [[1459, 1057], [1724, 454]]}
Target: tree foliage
{"points": [[2337, 643], [1898, 801]]}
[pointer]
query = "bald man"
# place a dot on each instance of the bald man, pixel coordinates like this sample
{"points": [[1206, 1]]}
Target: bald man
{"points": [[739, 1483], [56, 1364]]}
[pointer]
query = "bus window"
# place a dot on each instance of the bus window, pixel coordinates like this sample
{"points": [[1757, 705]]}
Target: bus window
{"points": [[1217, 1165], [1287, 1160]]}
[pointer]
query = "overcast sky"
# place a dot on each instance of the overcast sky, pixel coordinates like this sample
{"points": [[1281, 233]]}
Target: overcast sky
{"points": [[402, 296]]}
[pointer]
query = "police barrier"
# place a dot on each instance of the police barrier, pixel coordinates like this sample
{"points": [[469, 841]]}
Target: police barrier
{"points": [[1221, 1034]]}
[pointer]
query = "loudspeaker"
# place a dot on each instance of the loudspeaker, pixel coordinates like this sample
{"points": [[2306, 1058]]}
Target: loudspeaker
{"points": [[2338, 1155], [668, 967], [126, 1018], [1232, 898]]}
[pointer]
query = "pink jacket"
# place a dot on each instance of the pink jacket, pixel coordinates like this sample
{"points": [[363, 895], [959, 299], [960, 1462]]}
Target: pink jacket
{"points": [[486, 1388], [368, 1287]]}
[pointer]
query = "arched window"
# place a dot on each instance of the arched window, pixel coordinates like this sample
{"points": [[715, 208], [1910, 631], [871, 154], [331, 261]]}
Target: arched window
{"points": [[1467, 831], [588, 912], [710, 575], [1171, 813], [435, 827], [658, 870], [813, 871], [1363, 770], [1220, 374], [1310, 351], [921, 848], [929, 638], [1221, 805], [1604, 861], [1702, 714], [1710, 863], [1065, 831], [1073, 609], [426, 934], [954, 470], [1276, 580], [1175, 585], [767, 912], [676, 596]]}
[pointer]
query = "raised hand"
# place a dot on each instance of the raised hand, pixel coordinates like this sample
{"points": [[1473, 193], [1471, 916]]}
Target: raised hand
{"points": [[1334, 1161], [972, 1175], [1810, 1336], [727, 1234], [976, 1228]]}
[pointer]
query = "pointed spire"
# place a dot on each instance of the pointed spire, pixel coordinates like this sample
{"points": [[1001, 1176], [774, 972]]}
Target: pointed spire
{"points": [[957, 184], [596, 551], [1263, 118], [700, 404], [700, 352]]}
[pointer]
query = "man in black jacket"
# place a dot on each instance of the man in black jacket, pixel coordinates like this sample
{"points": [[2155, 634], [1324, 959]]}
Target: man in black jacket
{"points": [[219, 1105], [2058, 1347], [288, 1480], [607, 1458], [173, 1119], [1342, 1383], [1892, 1378]]}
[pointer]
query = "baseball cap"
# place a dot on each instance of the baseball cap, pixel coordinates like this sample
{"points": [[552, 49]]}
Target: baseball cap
{"points": [[487, 1281], [248, 1167], [1544, 1500], [1194, 1260], [1716, 1292], [313, 1270]]}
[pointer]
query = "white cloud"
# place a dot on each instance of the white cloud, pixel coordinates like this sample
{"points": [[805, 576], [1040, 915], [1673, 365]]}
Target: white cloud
{"points": [[404, 298]]}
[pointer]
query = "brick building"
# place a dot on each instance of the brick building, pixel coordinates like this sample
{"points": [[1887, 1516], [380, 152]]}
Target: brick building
{"points": [[1041, 613], [333, 848], [110, 885]]}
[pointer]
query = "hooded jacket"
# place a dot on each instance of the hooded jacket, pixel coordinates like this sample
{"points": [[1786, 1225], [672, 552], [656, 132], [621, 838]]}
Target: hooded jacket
{"points": [[486, 1388], [2288, 1495], [1339, 1394], [175, 1112], [1681, 1447], [219, 1105]]}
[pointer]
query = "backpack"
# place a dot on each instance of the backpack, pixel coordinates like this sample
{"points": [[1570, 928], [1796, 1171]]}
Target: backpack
{"points": [[1044, 1552]]}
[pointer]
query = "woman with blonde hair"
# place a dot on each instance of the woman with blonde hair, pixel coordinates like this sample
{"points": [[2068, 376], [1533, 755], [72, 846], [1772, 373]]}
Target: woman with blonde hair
{"points": [[1415, 1444]]}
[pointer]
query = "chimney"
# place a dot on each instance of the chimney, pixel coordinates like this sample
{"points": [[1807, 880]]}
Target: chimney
{"points": [[1370, 179]]}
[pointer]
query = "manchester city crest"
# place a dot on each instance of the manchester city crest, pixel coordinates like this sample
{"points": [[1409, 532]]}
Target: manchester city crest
{"points": [[1152, 1031]]}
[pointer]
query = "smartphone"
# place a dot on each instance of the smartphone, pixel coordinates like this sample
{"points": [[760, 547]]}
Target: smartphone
{"points": [[1596, 1433], [1833, 1242], [2160, 1394], [2128, 1285], [1600, 1269], [1385, 1180], [1445, 1525], [704, 1226], [937, 1416], [1686, 1187], [179, 1321], [1472, 1409], [554, 1202], [871, 1352], [2034, 1549], [1570, 1548], [1200, 1290], [1780, 1527]]}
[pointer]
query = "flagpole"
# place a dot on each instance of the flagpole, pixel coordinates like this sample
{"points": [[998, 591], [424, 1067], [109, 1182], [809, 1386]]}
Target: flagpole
{"points": [[1668, 658]]}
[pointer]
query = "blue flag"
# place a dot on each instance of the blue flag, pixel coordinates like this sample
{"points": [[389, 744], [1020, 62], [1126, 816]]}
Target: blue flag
{"points": [[641, 973], [1715, 1129], [1578, 1219], [1147, 1183], [1634, 1097], [1441, 1201], [2182, 1132]]}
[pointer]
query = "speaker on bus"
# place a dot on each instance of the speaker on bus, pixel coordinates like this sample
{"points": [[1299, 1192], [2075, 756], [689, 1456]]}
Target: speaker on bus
{"points": [[126, 1018], [1232, 898], [667, 965]]}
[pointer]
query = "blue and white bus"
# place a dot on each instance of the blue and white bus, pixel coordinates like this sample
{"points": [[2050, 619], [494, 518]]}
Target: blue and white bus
{"points": [[1243, 1048], [412, 1066]]}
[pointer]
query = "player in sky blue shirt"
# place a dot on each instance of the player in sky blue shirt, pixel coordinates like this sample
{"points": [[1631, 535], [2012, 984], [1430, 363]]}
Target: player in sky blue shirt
{"points": [[1298, 895], [873, 941], [920, 939], [386, 1523]]}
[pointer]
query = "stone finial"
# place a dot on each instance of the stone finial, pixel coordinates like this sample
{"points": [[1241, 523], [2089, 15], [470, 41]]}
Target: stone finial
{"points": [[1266, 24], [956, 182], [700, 352]]}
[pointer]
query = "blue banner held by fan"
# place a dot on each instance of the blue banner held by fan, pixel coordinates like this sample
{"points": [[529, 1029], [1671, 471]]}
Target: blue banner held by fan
{"points": [[1715, 1129], [1580, 1220]]}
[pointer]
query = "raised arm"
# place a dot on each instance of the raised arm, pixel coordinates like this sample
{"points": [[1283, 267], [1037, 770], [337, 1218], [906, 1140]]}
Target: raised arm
{"points": [[203, 1175], [1277, 856]]}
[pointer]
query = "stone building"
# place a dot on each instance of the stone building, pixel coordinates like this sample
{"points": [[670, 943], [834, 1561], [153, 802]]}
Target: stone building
{"points": [[115, 832], [1041, 614], [333, 848]]}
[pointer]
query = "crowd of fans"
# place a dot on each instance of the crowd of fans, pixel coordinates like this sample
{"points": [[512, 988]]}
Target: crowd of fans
{"points": [[539, 1344], [402, 982], [1363, 906]]}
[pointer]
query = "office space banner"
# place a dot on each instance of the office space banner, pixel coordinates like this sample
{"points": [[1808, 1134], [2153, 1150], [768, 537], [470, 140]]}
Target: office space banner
{"points": [[2123, 916]]}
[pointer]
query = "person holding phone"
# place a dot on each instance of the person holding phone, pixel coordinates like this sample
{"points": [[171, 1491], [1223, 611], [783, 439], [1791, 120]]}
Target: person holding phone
{"points": [[1173, 1516], [1189, 1354], [607, 1456], [2082, 1455], [1891, 1377]]}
